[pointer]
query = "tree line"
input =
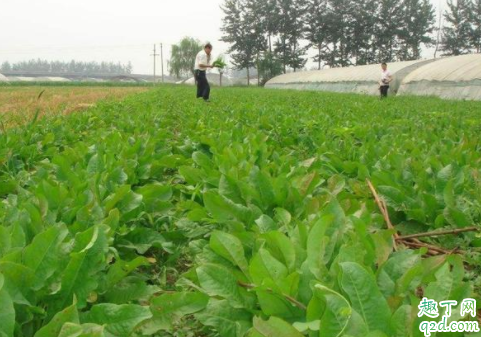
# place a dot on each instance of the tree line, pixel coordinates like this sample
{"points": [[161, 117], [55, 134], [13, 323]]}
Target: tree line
{"points": [[462, 29], [275, 36], [75, 67]]}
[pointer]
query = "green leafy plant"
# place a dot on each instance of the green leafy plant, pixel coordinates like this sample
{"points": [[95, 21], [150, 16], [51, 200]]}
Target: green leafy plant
{"points": [[219, 63], [153, 217]]}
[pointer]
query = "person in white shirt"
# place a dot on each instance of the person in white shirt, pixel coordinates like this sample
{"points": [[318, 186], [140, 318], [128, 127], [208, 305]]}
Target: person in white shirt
{"points": [[386, 78], [202, 63]]}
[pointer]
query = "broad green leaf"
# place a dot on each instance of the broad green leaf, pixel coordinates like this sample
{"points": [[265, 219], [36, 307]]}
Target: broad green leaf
{"points": [[337, 312], [307, 326], [317, 242], [445, 286], [264, 267], [228, 187], [167, 308], [275, 327], [43, 255], [124, 199], [119, 320], [230, 248], [365, 296], [275, 304], [18, 280], [130, 289], [402, 321], [84, 330], [120, 269], [81, 277], [7, 187], [112, 221], [262, 182], [383, 242], [356, 325], [282, 216], [217, 280], [228, 321], [266, 224], [53, 328], [192, 175], [155, 196], [282, 248], [7, 311], [5, 242], [141, 239], [324, 238], [223, 209], [398, 265], [202, 160], [95, 165], [396, 198], [457, 218]]}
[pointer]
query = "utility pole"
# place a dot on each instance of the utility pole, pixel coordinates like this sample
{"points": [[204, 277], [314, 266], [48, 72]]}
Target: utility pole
{"points": [[162, 60], [154, 55]]}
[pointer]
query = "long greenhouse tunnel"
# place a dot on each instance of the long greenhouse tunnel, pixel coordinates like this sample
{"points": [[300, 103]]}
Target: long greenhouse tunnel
{"points": [[457, 77]]}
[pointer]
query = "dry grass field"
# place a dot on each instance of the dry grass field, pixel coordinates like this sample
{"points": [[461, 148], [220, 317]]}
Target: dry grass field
{"points": [[20, 104]]}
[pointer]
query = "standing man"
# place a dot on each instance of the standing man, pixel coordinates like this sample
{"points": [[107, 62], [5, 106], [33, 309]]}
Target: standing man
{"points": [[202, 63], [386, 78]]}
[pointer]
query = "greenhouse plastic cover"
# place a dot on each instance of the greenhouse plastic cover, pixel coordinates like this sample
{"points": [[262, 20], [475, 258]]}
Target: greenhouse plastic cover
{"points": [[52, 79], [3, 78], [457, 77], [21, 79], [360, 79]]}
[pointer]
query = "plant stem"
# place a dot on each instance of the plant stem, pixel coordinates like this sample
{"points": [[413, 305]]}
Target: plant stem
{"points": [[383, 208], [436, 233]]}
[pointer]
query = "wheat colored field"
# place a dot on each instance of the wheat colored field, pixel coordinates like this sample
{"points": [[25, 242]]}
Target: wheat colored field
{"points": [[20, 104]]}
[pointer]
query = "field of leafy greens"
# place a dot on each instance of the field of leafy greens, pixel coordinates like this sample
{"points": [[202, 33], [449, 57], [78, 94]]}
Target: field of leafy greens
{"points": [[250, 216]]}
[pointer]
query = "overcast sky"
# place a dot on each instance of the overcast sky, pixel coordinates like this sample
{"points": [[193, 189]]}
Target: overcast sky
{"points": [[104, 30]]}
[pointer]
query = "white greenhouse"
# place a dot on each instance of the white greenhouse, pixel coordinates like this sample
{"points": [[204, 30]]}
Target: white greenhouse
{"points": [[3, 78], [361, 79], [456, 77]]}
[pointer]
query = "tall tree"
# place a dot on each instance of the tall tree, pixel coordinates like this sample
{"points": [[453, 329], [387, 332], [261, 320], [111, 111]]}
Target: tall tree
{"points": [[340, 19], [476, 25], [182, 57], [416, 28], [457, 30], [6, 66], [291, 24], [389, 21], [317, 29], [254, 18], [240, 30], [361, 46], [270, 17]]}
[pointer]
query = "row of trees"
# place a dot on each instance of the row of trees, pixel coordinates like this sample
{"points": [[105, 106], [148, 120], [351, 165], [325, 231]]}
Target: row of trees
{"points": [[276, 35], [462, 30], [57, 67]]}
